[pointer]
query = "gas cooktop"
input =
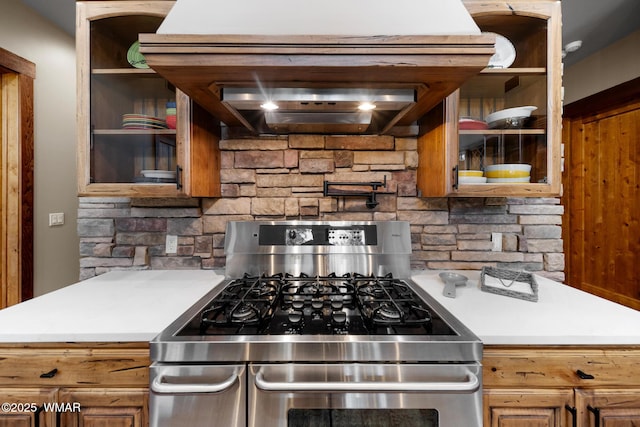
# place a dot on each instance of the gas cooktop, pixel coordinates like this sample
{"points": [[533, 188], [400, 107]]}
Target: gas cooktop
{"points": [[284, 304]]}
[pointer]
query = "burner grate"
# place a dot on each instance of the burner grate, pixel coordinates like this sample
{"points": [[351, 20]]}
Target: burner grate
{"points": [[332, 304], [389, 302], [249, 301]]}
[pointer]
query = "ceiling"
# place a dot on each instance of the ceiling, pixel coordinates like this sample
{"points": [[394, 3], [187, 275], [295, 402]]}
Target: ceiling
{"points": [[597, 23]]}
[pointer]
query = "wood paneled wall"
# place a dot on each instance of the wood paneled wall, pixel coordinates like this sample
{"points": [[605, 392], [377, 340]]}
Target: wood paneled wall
{"points": [[602, 194], [16, 178]]}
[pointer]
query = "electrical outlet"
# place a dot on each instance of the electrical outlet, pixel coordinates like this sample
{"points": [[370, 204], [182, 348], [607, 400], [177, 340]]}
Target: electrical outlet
{"points": [[496, 242], [171, 245], [56, 219]]}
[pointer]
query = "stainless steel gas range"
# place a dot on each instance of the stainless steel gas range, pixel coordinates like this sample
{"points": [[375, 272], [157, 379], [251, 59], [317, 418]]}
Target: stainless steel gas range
{"points": [[316, 324]]}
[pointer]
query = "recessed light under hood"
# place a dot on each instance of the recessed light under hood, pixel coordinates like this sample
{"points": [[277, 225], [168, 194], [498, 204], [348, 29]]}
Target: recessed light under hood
{"points": [[219, 51], [306, 110]]}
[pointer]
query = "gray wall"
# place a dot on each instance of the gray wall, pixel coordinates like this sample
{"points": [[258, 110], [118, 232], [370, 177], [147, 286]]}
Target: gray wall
{"points": [[27, 34], [615, 64]]}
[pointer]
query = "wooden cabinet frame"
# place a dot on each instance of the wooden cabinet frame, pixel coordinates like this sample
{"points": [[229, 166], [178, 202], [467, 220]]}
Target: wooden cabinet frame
{"points": [[438, 139], [197, 134], [90, 384], [561, 386]]}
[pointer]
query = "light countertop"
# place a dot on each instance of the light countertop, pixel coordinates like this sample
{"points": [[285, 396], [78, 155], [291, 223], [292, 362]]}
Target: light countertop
{"points": [[126, 306], [562, 315], [115, 306]]}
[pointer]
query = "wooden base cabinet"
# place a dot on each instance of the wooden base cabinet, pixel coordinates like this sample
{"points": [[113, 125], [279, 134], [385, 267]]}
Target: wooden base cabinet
{"points": [[73, 385], [561, 387], [126, 407]]}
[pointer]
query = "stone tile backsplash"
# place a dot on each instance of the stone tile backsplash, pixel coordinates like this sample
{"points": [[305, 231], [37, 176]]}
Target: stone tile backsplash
{"points": [[282, 178]]}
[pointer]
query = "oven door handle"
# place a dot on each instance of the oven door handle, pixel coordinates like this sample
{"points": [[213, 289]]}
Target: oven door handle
{"points": [[471, 384], [162, 384]]}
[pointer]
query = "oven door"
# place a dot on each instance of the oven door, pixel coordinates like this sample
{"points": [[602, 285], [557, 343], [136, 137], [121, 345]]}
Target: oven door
{"points": [[197, 395], [375, 395]]}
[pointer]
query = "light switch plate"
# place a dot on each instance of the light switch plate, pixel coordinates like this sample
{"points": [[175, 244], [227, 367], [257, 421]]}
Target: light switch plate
{"points": [[496, 242], [171, 245], [56, 219]]}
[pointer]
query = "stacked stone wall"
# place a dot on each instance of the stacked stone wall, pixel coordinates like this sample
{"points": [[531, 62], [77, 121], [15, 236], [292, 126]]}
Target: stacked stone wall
{"points": [[282, 178]]}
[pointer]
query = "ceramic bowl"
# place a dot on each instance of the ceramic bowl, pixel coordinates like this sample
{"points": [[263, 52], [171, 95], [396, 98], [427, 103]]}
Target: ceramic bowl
{"points": [[469, 173], [472, 179], [507, 170], [510, 117]]}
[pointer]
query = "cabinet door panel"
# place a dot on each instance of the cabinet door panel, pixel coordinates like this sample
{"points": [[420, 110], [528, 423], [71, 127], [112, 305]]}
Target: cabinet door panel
{"points": [[108, 417], [17, 398], [612, 408], [17, 420], [526, 408], [523, 417], [105, 407]]}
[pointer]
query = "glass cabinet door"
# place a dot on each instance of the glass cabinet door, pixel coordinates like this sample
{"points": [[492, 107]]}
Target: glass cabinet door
{"points": [[132, 111], [503, 135], [499, 134], [138, 135]]}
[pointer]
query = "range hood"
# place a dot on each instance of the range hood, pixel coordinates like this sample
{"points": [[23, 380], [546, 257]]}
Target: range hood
{"points": [[315, 64]]}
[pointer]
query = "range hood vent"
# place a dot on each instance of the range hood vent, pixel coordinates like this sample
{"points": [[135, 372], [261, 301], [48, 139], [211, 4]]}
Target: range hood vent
{"points": [[319, 60], [305, 110]]}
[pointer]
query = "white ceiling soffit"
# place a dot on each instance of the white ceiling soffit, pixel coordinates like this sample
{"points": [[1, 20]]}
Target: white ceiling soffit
{"points": [[315, 17]]}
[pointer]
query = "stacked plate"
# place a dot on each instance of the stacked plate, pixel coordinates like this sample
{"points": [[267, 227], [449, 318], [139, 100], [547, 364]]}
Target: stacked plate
{"points": [[142, 121], [469, 123], [471, 177], [135, 58], [508, 173]]}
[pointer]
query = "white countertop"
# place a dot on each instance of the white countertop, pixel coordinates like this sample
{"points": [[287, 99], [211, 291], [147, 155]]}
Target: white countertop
{"points": [[123, 306], [116, 306], [562, 315]]}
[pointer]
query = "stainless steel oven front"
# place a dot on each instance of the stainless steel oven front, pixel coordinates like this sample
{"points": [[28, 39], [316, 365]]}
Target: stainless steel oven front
{"points": [[317, 395], [198, 395], [360, 394]]}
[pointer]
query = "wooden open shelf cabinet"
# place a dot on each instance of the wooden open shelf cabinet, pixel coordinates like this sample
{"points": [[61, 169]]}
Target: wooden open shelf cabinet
{"points": [[111, 156], [534, 79]]}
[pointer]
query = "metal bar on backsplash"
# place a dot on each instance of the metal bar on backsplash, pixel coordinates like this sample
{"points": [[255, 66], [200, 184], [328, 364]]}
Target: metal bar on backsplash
{"points": [[371, 195]]}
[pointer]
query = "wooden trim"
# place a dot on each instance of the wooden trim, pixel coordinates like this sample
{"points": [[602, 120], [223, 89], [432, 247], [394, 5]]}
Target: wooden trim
{"points": [[12, 63], [605, 100], [77, 365], [16, 179], [557, 366]]}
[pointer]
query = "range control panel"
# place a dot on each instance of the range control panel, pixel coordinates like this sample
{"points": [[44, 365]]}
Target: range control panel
{"points": [[319, 235], [341, 237]]}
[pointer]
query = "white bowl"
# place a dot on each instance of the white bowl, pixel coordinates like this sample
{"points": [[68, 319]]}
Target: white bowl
{"points": [[472, 179], [510, 118], [158, 174], [508, 180]]}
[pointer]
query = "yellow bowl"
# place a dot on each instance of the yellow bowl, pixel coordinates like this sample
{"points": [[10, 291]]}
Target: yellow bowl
{"points": [[507, 174], [469, 173], [507, 171]]}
